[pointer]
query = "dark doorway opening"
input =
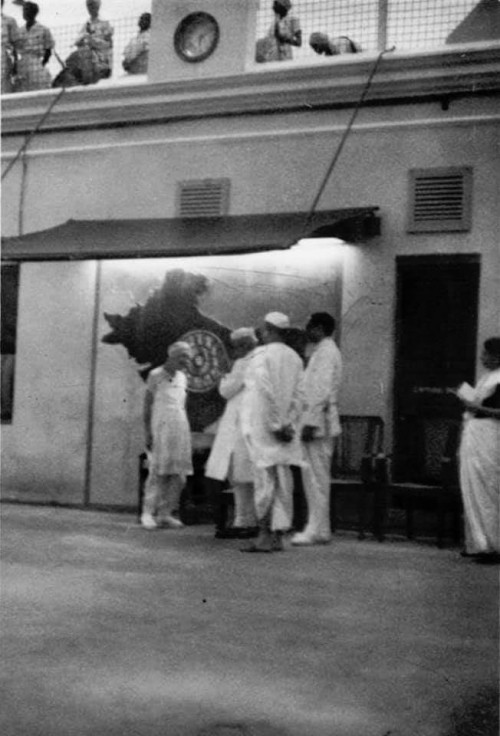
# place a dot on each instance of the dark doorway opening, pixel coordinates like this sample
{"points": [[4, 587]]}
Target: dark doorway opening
{"points": [[8, 310], [436, 336]]}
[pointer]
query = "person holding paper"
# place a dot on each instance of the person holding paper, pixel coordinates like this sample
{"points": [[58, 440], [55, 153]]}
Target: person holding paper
{"points": [[480, 458]]}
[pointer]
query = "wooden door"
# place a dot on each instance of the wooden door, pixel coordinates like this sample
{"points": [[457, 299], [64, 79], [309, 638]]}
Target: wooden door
{"points": [[436, 333]]}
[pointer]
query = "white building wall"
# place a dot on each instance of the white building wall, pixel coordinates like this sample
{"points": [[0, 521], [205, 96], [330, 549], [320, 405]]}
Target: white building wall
{"points": [[44, 450], [275, 163]]}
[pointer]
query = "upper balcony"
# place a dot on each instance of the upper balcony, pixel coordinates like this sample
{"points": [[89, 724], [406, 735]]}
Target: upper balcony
{"points": [[451, 50]]}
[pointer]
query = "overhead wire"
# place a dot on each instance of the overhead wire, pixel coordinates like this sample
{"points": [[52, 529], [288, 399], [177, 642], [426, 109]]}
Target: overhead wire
{"points": [[345, 135], [22, 153], [32, 134]]}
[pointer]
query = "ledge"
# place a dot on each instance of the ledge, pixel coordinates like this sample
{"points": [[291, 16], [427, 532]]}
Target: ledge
{"points": [[267, 88]]}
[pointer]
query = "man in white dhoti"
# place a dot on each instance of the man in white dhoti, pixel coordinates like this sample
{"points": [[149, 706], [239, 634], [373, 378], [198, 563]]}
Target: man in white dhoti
{"points": [[271, 410], [480, 459], [168, 439], [229, 458], [320, 426]]}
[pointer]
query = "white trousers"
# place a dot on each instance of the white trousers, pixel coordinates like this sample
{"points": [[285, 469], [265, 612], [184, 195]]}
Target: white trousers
{"points": [[274, 496], [316, 480], [244, 509], [162, 494]]}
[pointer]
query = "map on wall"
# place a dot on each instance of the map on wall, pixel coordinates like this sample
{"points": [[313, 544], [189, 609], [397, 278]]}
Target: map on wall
{"points": [[151, 303], [171, 313]]}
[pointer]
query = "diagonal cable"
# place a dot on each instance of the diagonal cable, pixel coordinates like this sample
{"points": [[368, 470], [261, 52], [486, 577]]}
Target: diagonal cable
{"points": [[345, 135], [33, 133]]}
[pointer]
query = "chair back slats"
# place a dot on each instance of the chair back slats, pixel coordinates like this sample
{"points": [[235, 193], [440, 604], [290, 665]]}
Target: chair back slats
{"points": [[449, 464], [428, 441], [359, 443]]}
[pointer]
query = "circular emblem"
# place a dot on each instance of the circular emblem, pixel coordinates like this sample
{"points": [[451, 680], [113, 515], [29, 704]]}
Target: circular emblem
{"points": [[208, 362], [196, 37]]}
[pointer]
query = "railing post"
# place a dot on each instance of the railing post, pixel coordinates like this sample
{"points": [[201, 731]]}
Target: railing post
{"points": [[383, 14]]}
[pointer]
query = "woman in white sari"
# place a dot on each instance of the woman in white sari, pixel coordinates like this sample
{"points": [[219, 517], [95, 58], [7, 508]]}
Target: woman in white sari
{"points": [[480, 459]]}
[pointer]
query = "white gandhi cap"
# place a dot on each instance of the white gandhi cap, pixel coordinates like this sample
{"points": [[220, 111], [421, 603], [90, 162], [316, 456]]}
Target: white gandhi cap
{"points": [[277, 319], [243, 333]]}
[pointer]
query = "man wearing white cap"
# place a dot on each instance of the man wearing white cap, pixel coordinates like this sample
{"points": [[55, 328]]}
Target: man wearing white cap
{"points": [[168, 438], [229, 457], [320, 425], [272, 405]]}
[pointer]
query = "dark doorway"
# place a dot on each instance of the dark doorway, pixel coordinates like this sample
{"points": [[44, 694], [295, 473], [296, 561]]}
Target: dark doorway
{"points": [[436, 333], [9, 297]]}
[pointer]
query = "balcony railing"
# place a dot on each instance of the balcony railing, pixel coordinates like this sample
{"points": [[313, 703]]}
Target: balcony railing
{"points": [[409, 25]]}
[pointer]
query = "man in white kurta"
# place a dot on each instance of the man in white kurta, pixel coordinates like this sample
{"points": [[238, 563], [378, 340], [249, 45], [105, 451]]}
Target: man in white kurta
{"points": [[272, 406], [168, 439], [229, 458], [320, 426]]}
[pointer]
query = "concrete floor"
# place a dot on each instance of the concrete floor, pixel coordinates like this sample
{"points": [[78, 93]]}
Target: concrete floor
{"points": [[109, 630]]}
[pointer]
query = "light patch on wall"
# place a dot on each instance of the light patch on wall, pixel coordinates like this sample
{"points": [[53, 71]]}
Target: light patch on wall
{"points": [[243, 287], [149, 303]]}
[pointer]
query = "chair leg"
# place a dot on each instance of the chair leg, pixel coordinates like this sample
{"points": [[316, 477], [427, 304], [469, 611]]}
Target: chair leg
{"points": [[380, 504], [441, 523], [457, 525], [188, 513], [143, 474], [218, 503], [410, 530], [333, 510], [381, 495], [362, 502]]}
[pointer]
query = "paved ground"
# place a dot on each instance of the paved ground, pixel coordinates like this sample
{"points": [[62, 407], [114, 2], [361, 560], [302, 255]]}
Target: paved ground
{"points": [[109, 630]]}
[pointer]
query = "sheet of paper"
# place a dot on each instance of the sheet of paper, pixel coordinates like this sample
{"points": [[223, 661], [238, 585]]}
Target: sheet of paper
{"points": [[466, 392]]}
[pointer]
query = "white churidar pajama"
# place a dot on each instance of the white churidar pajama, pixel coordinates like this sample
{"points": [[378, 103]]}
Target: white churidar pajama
{"points": [[229, 457], [273, 399], [322, 378], [170, 460], [480, 474]]}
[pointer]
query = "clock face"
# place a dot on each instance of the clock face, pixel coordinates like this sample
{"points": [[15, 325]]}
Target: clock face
{"points": [[196, 37], [209, 360]]}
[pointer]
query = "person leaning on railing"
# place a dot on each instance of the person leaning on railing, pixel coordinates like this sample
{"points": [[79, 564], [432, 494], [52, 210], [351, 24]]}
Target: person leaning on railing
{"points": [[95, 46], [34, 44], [9, 53], [323, 45], [284, 33], [136, 52]]}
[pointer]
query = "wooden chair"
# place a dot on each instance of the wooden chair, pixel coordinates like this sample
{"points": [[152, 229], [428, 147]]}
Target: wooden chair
{"points": [[358, 471], [449, 500], [426, 478]]}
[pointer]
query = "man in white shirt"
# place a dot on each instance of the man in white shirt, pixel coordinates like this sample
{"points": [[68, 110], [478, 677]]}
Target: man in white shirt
{"points": [[271, 410], [320, 426], [229, 458]]}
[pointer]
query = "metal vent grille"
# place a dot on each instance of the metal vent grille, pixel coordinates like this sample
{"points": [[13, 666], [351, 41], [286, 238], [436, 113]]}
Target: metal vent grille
{"points": [[440, 200], [203, 198]]}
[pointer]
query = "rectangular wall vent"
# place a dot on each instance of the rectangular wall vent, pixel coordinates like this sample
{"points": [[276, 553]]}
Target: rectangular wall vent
{"points": [[203, 198], [440, 200]]}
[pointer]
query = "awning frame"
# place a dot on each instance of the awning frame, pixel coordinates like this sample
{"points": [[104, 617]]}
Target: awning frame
{"points": [[179, 237]]}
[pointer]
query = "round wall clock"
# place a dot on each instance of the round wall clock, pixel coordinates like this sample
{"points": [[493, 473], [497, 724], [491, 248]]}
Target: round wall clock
{"points": [[209, 360], [196, 37]]}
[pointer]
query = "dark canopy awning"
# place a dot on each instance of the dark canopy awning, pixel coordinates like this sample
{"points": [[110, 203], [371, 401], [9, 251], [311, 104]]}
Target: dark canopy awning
{"points": [[88, 239]]}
